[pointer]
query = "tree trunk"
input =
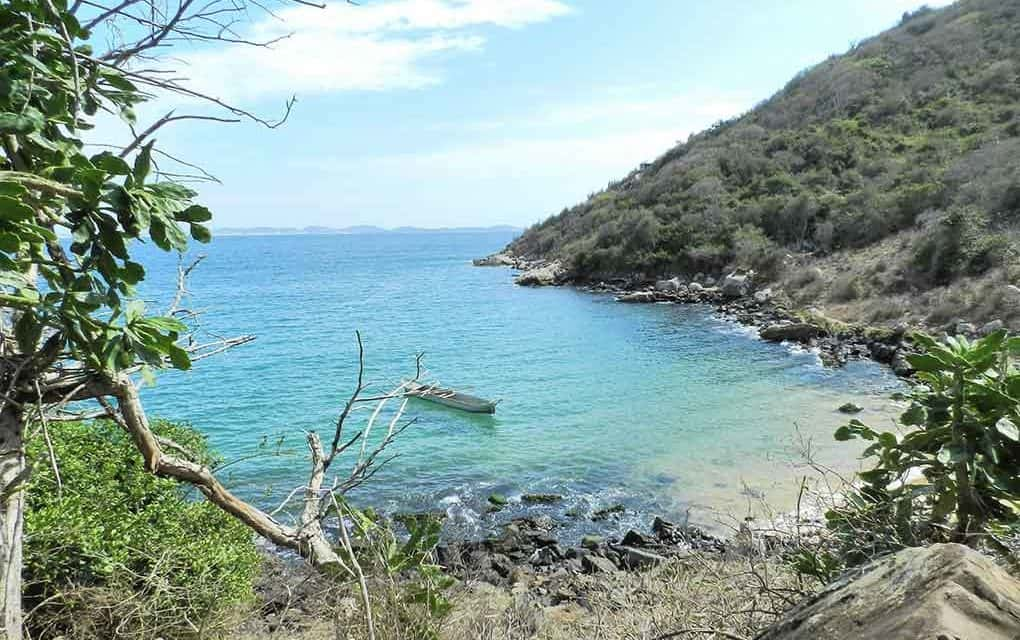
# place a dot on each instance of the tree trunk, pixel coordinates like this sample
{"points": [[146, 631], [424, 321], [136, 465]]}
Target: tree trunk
{"points": [[12, 503]]}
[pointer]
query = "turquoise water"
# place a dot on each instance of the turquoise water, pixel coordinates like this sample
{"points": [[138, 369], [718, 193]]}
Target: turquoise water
{"points": [[659, 407]]}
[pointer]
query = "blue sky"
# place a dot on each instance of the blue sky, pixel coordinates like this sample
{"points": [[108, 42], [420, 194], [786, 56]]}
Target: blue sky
{"points": [[479, 112]]}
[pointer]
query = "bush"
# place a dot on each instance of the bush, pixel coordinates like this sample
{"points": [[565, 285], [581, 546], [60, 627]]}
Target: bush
{"points": [[950, 472], [113, 550]]}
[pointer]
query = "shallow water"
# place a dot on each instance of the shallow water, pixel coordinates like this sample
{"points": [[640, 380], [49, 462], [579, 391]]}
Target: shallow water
{"points": [[663, 408]]}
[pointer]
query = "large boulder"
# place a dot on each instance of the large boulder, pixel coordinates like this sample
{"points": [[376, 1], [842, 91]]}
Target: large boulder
{"points": [[672, 285], [791, 332], [941, 591], [542, 276], [736, 285]]}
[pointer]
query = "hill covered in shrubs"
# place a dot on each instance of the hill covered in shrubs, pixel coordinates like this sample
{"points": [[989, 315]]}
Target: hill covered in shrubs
{"points": [[883, 183]]}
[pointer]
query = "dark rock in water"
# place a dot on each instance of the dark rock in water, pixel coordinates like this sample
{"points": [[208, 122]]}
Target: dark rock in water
{"points": [[638, 297], [498, 499], [942, 591], [597, 564], [602, 514], [850, 407], [592, 541], [540, 498], [791, 332]]}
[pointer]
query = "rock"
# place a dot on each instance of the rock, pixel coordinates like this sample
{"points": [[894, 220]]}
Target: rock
{"points": [[540, 498], [695, 287], [635, 539], [638, 297], [597, 564], [592, 541], [542, 276], [668, 286], [602, 514], [791, 332], [497, 499], [495, 260], [631, 558], [850, 407], [736, 285], [546, 556], [942, 591], [762, 296], [966, 328], [992, 327]]}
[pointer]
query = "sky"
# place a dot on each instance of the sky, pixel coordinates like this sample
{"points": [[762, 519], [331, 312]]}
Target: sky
{"points": [[482, 112]]}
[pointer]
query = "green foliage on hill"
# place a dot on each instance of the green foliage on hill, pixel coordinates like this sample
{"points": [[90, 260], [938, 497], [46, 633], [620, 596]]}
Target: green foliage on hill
{"points": [[917, 128], [113, 551]]}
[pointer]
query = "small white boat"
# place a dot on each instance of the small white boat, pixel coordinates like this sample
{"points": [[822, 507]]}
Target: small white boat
{"points": [[450, 398]]}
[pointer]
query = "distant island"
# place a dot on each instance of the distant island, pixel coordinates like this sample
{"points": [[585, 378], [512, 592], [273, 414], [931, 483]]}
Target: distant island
{"points": [[356, 230]]}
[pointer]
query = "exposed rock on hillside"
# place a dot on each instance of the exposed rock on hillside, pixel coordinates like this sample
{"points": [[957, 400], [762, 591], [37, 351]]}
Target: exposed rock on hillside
{"points": [[943, 591], [542, 276]]}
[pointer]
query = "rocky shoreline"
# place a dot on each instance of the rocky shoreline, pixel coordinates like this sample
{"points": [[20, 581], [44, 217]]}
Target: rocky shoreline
{"points": [[739, 297]]}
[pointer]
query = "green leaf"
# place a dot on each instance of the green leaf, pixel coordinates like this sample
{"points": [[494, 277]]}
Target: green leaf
{"points": [[9, 242], [13, 189], [132, 272], [19, 123], [27, 332], [179, 358], [200, 232], [143, 163], [1008, 428], [111, 164], [195, 213], [926, 362], [14, 210]]}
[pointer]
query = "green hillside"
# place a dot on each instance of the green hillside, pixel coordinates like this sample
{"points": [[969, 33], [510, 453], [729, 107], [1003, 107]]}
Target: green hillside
{"points": [[882, 183]]}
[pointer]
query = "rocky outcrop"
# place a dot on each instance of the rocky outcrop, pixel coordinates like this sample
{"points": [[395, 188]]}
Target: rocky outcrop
{"points": [[543, 275], [673, 285], [942, 591], [791, 332], [736, 285], [530, 546], [496, 260]]}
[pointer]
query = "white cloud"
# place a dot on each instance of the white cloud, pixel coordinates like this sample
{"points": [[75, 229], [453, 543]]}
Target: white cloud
{"points": [[368, 47]]}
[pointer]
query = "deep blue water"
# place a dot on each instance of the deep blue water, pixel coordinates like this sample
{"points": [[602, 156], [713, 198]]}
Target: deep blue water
{"points": [[660, 407]]}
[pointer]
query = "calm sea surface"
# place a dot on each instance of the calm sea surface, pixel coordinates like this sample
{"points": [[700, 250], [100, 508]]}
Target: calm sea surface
{"points": [[662, 408]]}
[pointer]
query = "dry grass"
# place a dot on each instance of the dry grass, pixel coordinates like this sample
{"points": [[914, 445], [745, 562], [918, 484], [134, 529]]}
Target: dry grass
{"points": [[739, 596]]}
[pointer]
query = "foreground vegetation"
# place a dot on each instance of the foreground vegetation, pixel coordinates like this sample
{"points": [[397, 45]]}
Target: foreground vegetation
{"points": [[113, 551], [874, 176]]}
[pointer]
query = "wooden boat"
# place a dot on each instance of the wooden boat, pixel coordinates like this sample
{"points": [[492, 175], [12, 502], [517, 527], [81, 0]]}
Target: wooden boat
{"points": [[450, 398]]}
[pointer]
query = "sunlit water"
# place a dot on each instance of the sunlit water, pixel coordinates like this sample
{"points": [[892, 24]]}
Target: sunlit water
{"points": [[662, 408]]}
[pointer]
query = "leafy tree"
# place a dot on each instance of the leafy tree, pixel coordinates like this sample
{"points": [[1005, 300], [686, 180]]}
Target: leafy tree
{"points": [[71, 328]]}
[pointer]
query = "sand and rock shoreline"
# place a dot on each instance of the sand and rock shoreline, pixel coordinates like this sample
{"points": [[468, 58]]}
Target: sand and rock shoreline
{"points": [[737, 296]]}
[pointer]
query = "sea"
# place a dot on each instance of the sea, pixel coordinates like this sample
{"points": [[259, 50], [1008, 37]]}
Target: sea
{"points": [[664, 409]]}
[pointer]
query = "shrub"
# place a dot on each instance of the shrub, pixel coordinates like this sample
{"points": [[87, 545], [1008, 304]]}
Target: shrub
{"points": [[113, 550], [846, 288], [752, 248], [950, 473]]}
